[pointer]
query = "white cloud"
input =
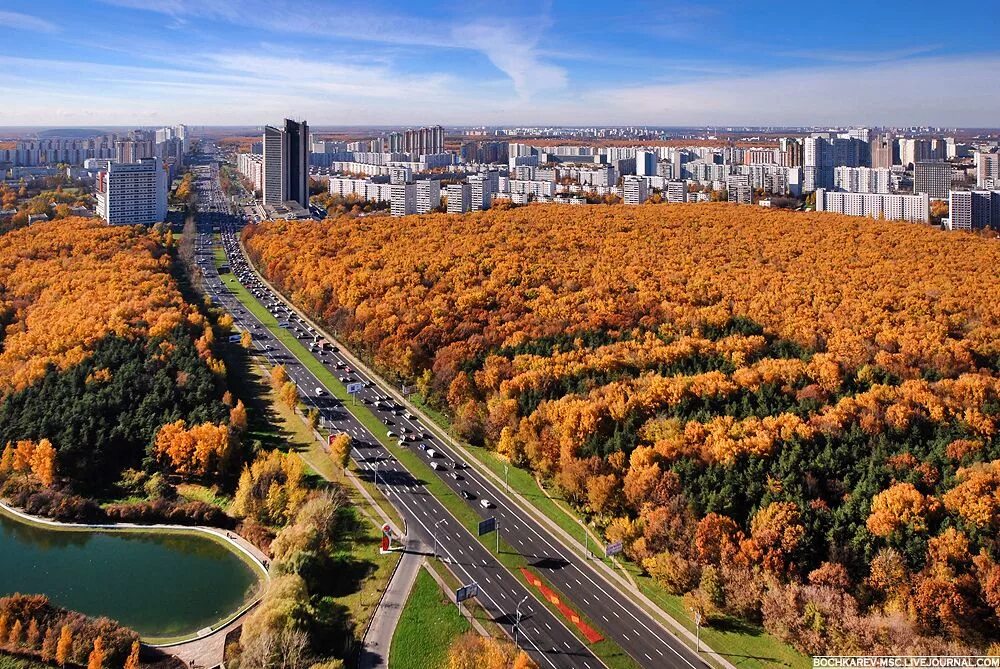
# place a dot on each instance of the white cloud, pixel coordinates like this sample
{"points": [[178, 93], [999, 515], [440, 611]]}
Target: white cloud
{"points": [[510, 43], [18, 21]]}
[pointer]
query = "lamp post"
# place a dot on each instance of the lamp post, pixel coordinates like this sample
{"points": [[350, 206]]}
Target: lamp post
{"points": [[697, 628], [436, 536], [505, 484], [517, 619]]}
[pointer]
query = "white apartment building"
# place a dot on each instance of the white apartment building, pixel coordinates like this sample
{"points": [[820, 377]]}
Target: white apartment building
{"points": [[913, 208], [973, 210], [400, 174], [987, 169], [459, 198], [132, 193], [862, 179], [677, 191], [635, 189], [530, 190], [483, 186], [773, 178], [364, 189], [403, 199], [428, 195], [251, 166], [738, 189]]}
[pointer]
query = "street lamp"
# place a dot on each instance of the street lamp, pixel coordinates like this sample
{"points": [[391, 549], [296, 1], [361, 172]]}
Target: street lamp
{"points": [[505, 484], [697, 628], [517, 619], [436, 536]]}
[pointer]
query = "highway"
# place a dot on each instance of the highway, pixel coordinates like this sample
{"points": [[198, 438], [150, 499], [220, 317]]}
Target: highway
{"points": [[541, 632]]}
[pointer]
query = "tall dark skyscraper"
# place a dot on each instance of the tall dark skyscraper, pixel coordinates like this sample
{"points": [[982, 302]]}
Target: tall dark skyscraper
{"points": [[286, 163]]}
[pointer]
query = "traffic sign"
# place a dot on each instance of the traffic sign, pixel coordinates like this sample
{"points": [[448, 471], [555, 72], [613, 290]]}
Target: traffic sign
{"points": [[467, 592], [487, 526], [355, 387], [613, 549]]}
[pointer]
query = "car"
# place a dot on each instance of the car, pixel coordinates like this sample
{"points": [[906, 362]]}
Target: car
{"points": [[465, 494], [436, 466], [485, 503], [320, 392], [390, 434], [401, 442], [408, 415], [431, 453], [422, 447], [456, 476]]}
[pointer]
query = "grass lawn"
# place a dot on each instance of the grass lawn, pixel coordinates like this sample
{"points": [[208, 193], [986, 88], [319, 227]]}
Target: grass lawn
{"points": [[11, 662], [427, 627], [195, 492]]}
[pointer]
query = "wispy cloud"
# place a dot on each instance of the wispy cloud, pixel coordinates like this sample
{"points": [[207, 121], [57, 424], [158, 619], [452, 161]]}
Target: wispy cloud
{"points": [[18, 21], [509, 42], [866, 56]]}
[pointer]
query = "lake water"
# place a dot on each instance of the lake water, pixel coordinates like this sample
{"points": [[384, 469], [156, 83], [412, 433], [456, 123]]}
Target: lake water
{"points": [[161, 584]]}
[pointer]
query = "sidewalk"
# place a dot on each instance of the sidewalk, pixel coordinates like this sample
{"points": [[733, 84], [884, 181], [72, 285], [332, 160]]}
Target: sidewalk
{"points": [[375, 645]]}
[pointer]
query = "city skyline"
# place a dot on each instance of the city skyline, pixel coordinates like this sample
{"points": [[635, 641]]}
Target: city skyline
{"points": [[138, 62]]}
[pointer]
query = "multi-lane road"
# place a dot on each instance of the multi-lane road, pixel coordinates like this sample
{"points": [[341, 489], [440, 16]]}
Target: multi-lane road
{"points": [[542, 633]]}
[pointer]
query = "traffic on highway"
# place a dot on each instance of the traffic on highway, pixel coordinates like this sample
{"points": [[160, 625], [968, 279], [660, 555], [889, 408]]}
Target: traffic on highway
{"points": [[429, 525]]}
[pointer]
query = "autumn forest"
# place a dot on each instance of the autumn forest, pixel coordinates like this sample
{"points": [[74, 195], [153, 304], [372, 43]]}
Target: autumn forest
{"points": [[789, 418]]}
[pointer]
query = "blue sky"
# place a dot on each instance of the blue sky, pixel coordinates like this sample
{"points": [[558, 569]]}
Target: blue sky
{"points": [[235, 62]]}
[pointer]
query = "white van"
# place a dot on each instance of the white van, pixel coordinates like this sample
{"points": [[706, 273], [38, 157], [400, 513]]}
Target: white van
{"points": [[431, 453]]}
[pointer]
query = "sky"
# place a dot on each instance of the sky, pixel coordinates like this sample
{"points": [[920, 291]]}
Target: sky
{"points": [[501, 62]]}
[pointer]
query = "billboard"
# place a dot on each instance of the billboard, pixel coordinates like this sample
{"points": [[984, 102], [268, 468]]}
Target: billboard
{"points": [[467, 592], [355, 387], [487, 526], [613, 549]]}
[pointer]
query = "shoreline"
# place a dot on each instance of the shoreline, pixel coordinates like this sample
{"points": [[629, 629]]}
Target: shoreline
{"points": [[247, 553]]}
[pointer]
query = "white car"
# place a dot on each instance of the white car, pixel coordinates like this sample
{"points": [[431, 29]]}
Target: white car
{"points": [[320, 392], [485, 503]]}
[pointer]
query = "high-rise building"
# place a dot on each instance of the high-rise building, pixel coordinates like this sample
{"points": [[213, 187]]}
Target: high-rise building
{"points": [[459, 198], [738, 189], [914, 150], [973, 210], [914, 208], [423, 141], [932, 177], [428, 195], [882, 152], [823, 153], [403, 199], [791, 152], [286, 163], [862, 179], [132, 193], [635, 189], [677, 191], [987, 169], [133, 149], [645, 163], [400, 174], [483, 186]]}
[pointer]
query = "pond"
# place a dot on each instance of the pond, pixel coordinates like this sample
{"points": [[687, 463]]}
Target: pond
{"points": [[161, 583]]}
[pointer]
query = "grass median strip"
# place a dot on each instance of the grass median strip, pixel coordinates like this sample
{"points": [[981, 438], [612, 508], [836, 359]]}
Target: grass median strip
{"points": [[427, 627], [609, 651]]}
